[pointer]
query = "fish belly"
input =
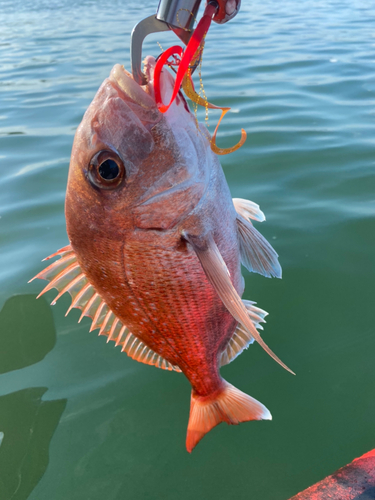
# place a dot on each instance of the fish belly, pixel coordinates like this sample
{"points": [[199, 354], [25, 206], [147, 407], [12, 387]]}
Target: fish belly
{"points": [[179, 314]]}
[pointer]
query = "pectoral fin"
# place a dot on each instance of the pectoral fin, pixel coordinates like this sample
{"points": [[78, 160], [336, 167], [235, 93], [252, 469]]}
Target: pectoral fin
{"points": [[218, 275]]}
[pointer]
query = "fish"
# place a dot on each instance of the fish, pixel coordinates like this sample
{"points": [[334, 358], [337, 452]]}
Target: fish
{"points": [[156, 245]]}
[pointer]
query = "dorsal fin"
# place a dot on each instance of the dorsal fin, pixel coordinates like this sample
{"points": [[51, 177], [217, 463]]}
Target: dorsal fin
{"points": [[65, 275], [241, 338]]}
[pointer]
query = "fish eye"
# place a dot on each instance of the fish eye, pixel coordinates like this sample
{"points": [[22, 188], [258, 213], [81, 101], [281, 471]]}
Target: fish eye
{"points": [[109, 170], [106, 170]]}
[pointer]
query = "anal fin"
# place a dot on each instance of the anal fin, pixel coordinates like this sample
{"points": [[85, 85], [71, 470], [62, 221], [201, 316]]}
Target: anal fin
{"points": [[241, 338]]}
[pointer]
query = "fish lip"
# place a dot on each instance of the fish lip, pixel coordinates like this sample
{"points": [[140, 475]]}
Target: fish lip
{"points": [[124, 81]]}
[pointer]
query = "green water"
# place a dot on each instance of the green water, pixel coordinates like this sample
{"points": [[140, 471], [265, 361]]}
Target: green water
{"points": [[82, 421]]}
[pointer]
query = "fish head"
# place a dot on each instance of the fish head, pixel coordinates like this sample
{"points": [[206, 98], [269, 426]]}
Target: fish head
{"points": [[132, 166]]}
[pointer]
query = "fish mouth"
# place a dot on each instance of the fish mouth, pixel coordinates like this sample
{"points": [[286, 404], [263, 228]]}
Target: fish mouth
{"points": [[143, 96], [134, 92], [136, 97]]}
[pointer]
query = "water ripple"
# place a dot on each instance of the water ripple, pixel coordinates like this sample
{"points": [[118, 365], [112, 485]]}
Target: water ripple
{"points": [[300, 78]]}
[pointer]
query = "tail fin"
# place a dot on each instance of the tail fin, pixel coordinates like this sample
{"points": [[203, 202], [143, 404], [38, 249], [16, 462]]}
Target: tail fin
{"points": [[230, 405]]}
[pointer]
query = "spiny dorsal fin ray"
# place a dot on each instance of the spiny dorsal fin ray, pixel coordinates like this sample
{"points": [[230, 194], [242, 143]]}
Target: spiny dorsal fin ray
{"points": [[62, 251], [66, 275], [54, 269], [79, 281], [82, 297], [63, 278], [257, 255], [107, 323], [241, 338], [218, 275]]}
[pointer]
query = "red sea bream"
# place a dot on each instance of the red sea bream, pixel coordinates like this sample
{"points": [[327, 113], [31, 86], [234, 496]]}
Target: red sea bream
{"points": [[156, 245]]}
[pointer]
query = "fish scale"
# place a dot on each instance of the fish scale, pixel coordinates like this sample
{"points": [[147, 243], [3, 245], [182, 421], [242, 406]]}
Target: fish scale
{"points": [[188, 320]]}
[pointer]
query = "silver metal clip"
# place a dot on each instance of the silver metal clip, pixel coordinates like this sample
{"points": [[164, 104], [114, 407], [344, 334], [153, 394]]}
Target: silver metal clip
{"points": [[139, 33], [175, 15]]}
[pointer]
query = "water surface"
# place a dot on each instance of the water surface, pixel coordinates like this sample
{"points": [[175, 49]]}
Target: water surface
{"points": [[81, 420]]}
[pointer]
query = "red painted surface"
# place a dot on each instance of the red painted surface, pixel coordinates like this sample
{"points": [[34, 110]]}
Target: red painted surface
{"points": [[355, 481]]}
